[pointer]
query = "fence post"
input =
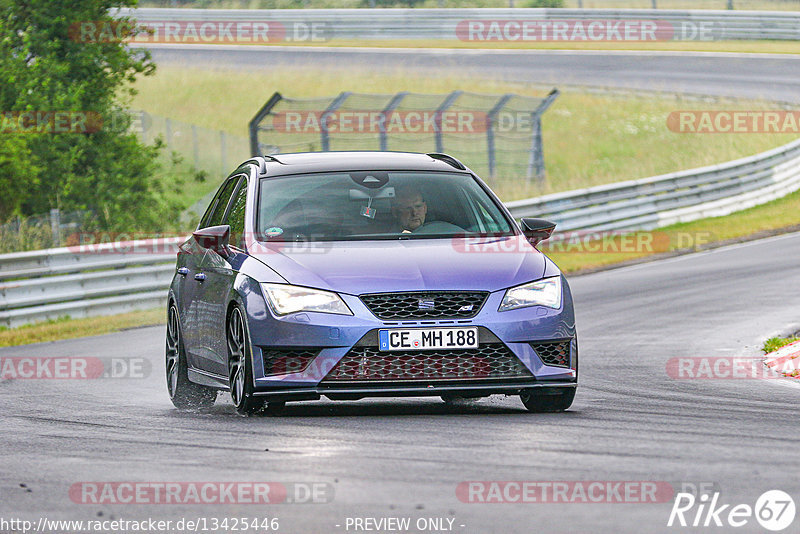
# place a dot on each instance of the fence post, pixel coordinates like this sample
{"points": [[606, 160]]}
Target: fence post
{"points": [[255, 123], [536, 157], [490, 119], [55, 226], [438, 118], [655, 4], [730, 4], [391, 106], [195, 147], [323, 121]]}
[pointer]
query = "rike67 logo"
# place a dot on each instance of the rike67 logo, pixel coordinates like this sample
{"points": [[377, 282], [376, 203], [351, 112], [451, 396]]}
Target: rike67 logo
{"points": [[774, 510]]}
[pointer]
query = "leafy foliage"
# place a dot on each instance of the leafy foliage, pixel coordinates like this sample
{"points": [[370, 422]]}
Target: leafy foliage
{"points": [[45, 68]]}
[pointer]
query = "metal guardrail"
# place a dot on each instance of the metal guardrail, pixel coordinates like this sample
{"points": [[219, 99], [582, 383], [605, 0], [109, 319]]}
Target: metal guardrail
{"points": [[85, 280], [678, 197], [119, 277], [449, 24]]}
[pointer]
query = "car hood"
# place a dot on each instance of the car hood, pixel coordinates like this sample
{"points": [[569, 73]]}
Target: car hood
{"points": [[487, 263]]}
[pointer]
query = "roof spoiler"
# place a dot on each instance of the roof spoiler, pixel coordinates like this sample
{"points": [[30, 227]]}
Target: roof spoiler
{"points": [[450, 160]]}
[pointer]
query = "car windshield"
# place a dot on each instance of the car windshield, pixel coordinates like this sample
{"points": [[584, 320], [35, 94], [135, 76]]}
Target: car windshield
{"points": [[368, 205]]}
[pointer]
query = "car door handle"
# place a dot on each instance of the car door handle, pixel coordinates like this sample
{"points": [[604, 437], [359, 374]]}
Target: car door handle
{"points": [[200, 277], [183, 271]]}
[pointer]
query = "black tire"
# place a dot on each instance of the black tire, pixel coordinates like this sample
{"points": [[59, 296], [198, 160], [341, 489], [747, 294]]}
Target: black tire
{"points": [[184, 394], [240, 365], [537, 402]]}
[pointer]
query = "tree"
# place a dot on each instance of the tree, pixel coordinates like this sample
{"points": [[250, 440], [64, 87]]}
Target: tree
{"points": [[97, 165]]}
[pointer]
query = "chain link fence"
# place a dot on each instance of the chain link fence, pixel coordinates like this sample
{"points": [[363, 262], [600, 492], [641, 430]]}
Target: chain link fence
{"points": [[496, 135]]}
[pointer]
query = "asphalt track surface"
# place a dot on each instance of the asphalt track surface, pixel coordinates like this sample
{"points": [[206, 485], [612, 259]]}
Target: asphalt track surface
{"points": [[762, 76], [404, 458]]}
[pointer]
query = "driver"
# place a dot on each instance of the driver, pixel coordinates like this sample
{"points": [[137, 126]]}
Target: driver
{"points": [[409, 208]]}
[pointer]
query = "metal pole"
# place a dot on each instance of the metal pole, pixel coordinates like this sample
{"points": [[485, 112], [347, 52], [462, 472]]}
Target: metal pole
{"points": [[655, 4], [438, 118], [536, 157], [391, 106], [730, 5], [255, 123], [55, 226], [490, 120], [323, 121]]}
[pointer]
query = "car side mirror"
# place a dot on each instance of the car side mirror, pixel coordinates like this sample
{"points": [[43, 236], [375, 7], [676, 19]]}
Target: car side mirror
{"points": [[537, 230], [214, 238]]}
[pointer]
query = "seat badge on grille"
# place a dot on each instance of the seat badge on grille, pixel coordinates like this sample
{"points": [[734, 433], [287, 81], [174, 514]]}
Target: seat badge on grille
{"points": [[466, 308], [426, 304]]}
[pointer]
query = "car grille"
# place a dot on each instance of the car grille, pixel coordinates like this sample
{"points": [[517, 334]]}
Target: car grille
{"points": [[282, 361], [426, 304], [555, 353], [365, 364]]}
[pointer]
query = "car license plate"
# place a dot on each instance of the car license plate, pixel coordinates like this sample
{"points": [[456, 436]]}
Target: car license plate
{"points": [[428, 338]]}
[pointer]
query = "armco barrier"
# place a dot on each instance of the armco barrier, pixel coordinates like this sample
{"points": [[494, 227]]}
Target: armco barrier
{"points": [[298, 25], [85, 280], [47, 284]]}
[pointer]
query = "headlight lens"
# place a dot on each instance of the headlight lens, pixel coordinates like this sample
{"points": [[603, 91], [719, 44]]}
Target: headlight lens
{"points": [[285, 299], [544, 292]]}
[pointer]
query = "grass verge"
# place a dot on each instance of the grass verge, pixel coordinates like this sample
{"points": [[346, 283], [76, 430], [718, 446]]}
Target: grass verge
{"points": [[66, 328], [774, 343]]}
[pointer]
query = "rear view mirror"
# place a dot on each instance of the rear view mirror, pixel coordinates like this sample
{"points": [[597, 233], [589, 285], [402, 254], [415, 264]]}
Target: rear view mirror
{"points": [[537, 230], [214, 238]]}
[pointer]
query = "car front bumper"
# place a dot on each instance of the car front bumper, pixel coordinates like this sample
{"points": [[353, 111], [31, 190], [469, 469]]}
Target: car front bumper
{"points": [[332, 337]]}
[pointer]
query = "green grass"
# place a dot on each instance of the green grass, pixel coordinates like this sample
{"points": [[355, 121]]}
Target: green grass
{"points": [[774, 343], [67, 328], [589, 139]]}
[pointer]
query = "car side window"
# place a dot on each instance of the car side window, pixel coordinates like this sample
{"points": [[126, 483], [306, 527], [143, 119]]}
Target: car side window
{"points": [[222, 203], [236, 216]]}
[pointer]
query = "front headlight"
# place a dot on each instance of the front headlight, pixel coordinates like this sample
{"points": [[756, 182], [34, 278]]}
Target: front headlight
{"points": [[285, 299], [545, 292]]}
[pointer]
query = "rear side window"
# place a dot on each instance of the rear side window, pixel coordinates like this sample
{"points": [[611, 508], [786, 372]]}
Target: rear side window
{"points": [[236, 216], [222, 203]]}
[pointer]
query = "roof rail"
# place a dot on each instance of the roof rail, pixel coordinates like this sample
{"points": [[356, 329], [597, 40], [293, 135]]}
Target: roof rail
{"points": [[261, 162], [450, 160]]}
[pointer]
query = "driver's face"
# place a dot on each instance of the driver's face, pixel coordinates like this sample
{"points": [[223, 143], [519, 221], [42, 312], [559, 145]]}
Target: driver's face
{"points": [[411, 211]]}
